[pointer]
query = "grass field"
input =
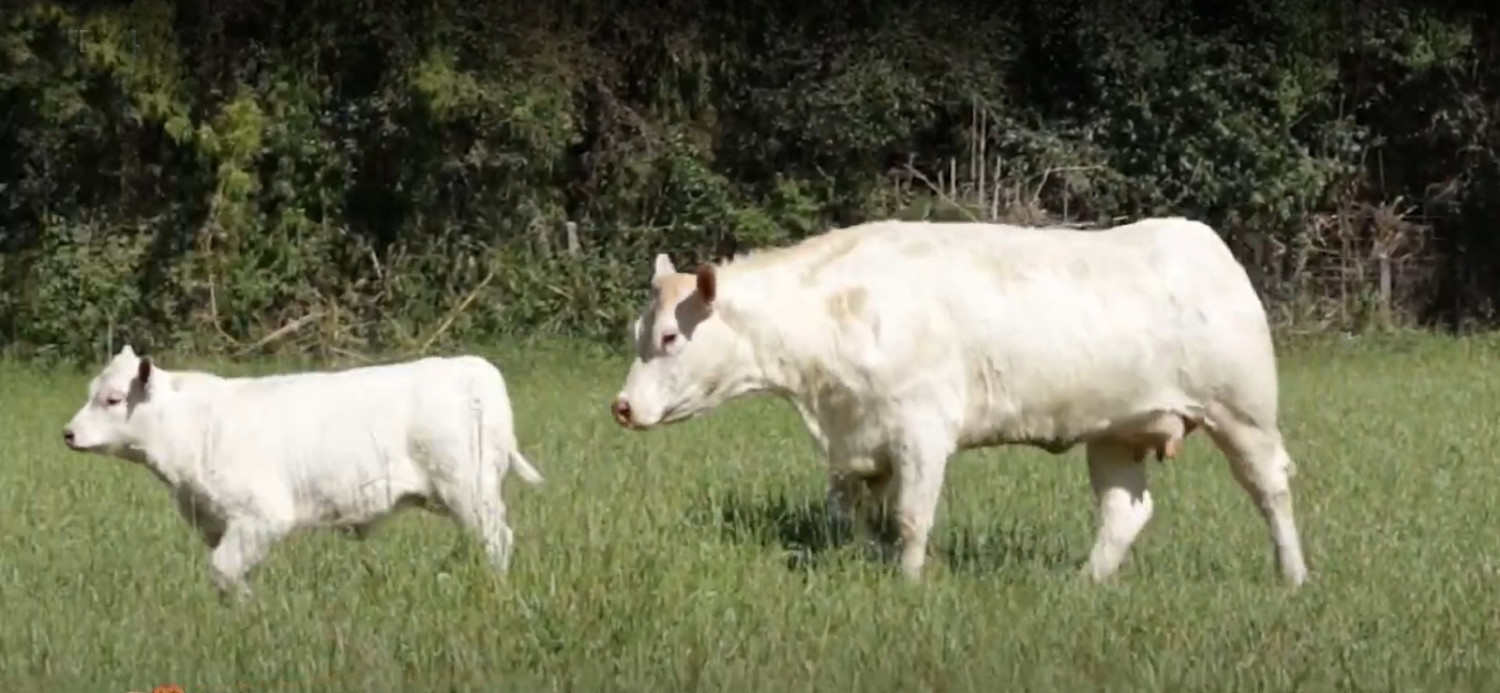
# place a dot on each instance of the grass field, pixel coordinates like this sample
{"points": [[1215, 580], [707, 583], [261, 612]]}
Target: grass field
{"points": [[686, 559]]}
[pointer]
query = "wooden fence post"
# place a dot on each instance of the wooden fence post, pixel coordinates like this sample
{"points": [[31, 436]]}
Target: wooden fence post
{"points": [[570, 232]]}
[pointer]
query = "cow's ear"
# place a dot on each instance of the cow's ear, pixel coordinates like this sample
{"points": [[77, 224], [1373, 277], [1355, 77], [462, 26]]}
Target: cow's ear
{"points": [[708, 283]]}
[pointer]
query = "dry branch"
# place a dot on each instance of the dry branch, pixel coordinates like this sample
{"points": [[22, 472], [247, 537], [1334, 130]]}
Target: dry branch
{"points": [[453, 314], [280, 332]]}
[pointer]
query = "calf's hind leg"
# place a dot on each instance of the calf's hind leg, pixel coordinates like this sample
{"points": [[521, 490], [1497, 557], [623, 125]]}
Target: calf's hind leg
{"points": [[472, 494], [1261, 465], [478, 507]]}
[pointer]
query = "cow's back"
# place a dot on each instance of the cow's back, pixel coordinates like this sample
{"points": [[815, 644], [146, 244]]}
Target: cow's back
{"points": [[1051, 330]]}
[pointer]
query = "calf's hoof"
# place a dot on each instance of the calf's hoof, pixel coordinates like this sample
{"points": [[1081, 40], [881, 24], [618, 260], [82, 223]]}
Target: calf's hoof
{"points": [[235, 596]]}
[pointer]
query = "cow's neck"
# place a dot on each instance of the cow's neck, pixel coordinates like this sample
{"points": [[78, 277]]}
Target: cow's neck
{"points": [[776, 310], [767, 308]]}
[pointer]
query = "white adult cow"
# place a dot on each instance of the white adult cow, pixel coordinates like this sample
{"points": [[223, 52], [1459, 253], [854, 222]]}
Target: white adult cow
{"points": [[900, 343], [251, 459]]}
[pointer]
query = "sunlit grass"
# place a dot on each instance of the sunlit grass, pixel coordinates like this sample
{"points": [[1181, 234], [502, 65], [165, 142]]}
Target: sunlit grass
{"points": [[689, 558]]}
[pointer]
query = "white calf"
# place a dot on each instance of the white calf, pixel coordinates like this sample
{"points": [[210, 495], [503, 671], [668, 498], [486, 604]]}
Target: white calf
{"points": [[251, 459], [900, 343]]}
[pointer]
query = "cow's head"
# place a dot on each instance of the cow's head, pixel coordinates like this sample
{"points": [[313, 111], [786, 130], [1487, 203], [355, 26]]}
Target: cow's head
{"points": [[688, 359], [106, 424]]}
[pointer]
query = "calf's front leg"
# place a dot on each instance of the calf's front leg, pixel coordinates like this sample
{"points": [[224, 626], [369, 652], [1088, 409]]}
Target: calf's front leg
{"points": [[209, 527], [244, 544]]}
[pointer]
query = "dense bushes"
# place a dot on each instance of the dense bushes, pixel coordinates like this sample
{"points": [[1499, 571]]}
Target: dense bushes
{"points": [[325, 176]]}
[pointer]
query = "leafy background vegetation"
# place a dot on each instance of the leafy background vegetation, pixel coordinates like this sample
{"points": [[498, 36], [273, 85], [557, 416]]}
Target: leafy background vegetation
{"points": [[344, 177]]}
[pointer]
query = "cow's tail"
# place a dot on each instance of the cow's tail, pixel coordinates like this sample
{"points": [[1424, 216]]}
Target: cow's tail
{"points": [[523, 468]]}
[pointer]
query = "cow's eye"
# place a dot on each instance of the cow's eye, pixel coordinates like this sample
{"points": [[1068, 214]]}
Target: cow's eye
{"points": [[668, 339], [112, 400]]}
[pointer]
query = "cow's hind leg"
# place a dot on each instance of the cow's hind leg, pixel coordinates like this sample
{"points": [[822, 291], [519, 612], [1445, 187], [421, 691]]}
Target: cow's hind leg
{"points": [[1261, 465], [1124, 503]]}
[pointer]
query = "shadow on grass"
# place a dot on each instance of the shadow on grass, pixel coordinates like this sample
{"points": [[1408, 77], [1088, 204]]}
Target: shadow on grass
{"points": [[804, 528], [801, 527]]}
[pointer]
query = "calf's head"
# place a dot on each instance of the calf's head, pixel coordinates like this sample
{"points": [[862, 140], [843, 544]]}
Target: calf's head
{"points": [[688, 360], [106, 424]]}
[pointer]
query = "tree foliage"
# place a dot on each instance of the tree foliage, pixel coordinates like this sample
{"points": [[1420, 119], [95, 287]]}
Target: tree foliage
{"points": [[340, 176]]}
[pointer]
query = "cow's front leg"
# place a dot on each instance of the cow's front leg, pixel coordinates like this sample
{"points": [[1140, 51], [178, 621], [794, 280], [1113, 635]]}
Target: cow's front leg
{"points": [[845, 521], [856, 505], [858, 497], [921, 462]]}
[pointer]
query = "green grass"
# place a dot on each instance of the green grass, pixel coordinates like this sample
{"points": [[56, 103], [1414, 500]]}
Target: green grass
{"points": [[686, 559]]}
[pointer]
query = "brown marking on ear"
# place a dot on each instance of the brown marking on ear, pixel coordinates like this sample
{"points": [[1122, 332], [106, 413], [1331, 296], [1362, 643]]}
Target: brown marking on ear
{"points": [[708, 283], [143, 371]]}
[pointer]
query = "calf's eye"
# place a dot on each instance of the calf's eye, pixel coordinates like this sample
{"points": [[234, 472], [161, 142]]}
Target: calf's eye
{"points": [[667, 339], [112, 400]]}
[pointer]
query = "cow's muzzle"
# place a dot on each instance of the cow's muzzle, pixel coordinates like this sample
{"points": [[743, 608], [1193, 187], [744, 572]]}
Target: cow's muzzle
{"points": [[621, 411]]}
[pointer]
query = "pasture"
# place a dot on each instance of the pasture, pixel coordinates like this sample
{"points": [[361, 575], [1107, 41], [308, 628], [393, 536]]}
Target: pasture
{"points": [[690, 558]]}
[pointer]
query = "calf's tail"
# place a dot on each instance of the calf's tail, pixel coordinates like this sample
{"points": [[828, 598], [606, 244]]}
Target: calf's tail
{"points": [[498, 427], [523, 468]]}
